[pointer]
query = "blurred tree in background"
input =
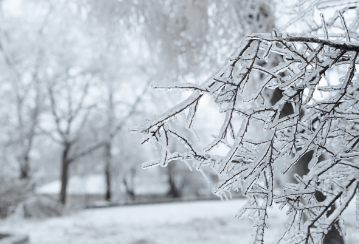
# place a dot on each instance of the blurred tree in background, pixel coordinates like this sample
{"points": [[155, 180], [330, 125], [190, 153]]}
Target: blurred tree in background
{"points": [[75, 74]]}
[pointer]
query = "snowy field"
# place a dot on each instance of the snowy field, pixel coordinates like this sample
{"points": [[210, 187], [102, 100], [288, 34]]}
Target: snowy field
{"points": [[207, 222]]}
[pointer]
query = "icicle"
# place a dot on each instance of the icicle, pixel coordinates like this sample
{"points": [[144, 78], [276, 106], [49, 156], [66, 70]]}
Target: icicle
{"points": [[312, 162], [341, 227], [195, 134], [205, 176], [188, 164], [230, 194], [153, 144]]}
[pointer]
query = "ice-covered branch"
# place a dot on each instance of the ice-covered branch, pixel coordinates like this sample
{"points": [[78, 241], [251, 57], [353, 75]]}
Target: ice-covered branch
{"points": [[298, 123]]}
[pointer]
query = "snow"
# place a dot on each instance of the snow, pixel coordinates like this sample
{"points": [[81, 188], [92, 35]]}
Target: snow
{"points": [[95, 185], [206, 222], [77, 185], [151, 186], [193, 222]]}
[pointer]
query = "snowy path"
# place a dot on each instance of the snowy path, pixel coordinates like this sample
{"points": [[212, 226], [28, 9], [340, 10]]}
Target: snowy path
{"points": [[204, 222]]}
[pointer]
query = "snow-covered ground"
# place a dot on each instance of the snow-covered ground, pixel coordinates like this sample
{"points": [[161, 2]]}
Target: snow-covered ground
{"points": [[206, 222], [95, 185]]}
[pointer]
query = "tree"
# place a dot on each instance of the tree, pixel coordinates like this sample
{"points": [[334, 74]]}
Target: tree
{"points": [[178, 38], [81, 71], [69, 122], [189, 37], [114, 125], [22, 74], [325, 126]]}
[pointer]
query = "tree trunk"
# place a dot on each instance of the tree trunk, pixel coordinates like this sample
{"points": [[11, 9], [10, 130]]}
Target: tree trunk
{"points": [[129, 186], [108, 160], [64, 173], [24, 168], [174, 190]]}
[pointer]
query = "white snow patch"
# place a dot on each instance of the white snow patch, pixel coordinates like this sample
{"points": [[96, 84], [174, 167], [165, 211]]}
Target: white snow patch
{"points": [[203, 222], [95, 185], [77, 185]]}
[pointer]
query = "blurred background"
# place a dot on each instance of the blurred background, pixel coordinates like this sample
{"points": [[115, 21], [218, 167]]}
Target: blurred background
{"points": [[75, 75]]}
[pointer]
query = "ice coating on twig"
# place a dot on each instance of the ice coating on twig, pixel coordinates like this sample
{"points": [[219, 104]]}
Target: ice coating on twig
{"points": [[326, 127]]}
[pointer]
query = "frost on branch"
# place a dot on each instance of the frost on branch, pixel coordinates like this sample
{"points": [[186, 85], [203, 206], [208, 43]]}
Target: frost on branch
{"points": [[324, 121]]}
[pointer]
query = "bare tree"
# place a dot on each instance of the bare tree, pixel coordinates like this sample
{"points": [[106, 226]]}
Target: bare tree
{"points": [[70, 114], [27, 92], [114, 126], [27, 101]]}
